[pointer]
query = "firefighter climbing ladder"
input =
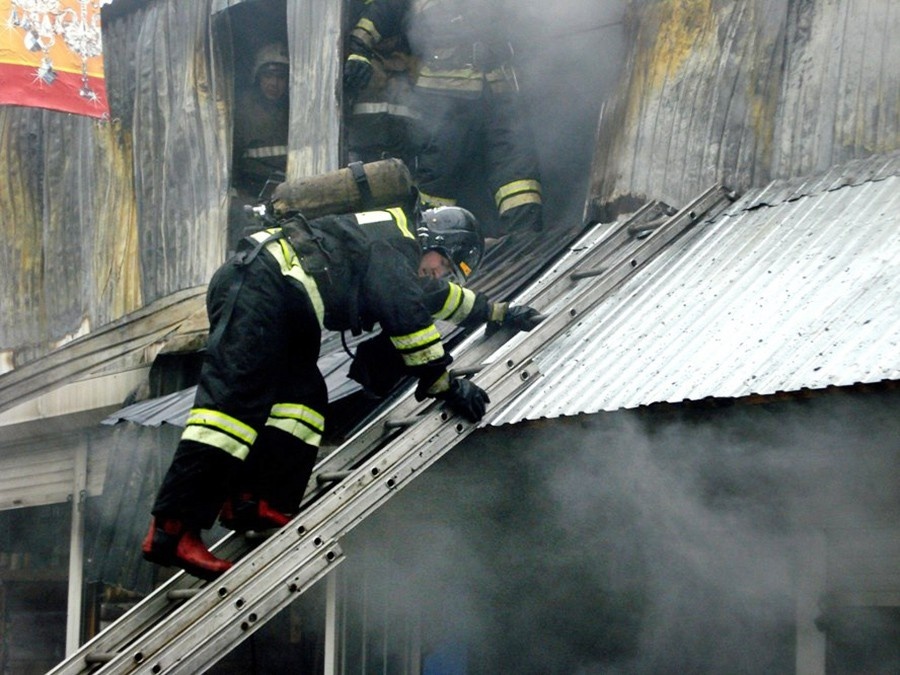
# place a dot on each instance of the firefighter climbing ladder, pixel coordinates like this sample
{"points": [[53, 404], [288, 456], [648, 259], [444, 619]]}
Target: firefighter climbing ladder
{"points": [[187, 625]]}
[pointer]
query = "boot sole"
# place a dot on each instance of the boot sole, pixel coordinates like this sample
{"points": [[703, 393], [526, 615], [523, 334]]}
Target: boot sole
{"points": [[193, 570]]}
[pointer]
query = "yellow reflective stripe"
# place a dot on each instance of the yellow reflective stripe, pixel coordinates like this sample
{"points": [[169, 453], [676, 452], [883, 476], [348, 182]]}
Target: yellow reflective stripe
{"points": [[296, 271], [420, 347], [396, 214], [299, 421], [431, 200], [219, 420], [519, 200], [456, 84], [358, 57], [379, 108], [370, 35], [498, 311], [416, 340], [454, 298], [462, 79], [289, 264], [441, 384], [517, 187], [299, 412], [216, 439], [423, 356], [366, 217], [458, 305], [220, 431], [400, 220], [297, 430]]}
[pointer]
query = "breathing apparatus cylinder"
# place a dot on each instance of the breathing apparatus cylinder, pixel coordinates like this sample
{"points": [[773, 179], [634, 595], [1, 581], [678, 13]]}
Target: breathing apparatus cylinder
{"points": [[358, 187]]}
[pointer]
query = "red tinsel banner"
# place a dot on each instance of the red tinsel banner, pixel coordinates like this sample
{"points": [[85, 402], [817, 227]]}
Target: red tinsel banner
{"points": [[51, 55]]}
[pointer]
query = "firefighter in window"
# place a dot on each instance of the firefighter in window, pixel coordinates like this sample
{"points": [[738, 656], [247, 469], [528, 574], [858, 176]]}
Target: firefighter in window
{"points": [[260, 138], [380, 114], [251, 439], [465, 99]]}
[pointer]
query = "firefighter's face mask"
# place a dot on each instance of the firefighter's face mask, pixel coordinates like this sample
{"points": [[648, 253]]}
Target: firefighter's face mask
{"points": [[435, 265]]}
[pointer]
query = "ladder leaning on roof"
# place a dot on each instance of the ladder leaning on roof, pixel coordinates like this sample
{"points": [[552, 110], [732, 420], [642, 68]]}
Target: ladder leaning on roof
{"points": [[187, 625]]}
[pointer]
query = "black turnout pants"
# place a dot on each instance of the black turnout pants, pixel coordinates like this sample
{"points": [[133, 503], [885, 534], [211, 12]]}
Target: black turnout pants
{"points": [[258, 413]]}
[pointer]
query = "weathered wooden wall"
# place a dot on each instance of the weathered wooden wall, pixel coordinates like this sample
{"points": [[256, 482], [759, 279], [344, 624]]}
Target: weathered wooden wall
{"points": [[744, 91], [70, 263], [316, 67], [181, 130], [102, 218]]}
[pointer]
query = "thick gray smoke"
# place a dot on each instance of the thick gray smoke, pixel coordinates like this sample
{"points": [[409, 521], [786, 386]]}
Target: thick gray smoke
{"points": [[570, 55], [567, 56], [635, 544]]}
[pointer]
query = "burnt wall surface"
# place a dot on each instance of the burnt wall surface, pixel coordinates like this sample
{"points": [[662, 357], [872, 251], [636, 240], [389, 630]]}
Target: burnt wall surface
{"points": [[743, 92], [102, 217], [105, 217]]}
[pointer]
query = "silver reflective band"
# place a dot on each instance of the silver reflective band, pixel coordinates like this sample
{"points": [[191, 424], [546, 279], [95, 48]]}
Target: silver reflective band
{"points": [[389, 108], [268, 151]]}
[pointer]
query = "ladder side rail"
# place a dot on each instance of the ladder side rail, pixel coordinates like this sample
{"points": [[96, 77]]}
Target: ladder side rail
{"points": [[289, 549], [153, 606], [300, 540], [231, 623]]}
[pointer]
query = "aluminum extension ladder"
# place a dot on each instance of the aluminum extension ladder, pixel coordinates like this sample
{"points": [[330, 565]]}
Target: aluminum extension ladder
{"points": [[187, 625]]}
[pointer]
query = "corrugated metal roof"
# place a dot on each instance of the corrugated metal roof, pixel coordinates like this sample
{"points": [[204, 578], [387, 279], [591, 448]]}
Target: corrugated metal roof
{"points": [[796, 286]]}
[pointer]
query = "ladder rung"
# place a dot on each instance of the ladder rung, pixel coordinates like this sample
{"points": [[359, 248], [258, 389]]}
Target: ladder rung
{"points": [[331, 476], [587, 274], [466, 371], [640, 230], [183, 593], [401, 422], [93, 658]]}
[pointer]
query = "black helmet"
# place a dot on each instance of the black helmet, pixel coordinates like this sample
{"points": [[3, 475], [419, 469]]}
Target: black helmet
{"points": [[455, 234]]}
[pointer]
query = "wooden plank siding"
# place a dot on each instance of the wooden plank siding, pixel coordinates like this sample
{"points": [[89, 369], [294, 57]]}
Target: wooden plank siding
{"points": [[316, 67], [128, 343], [181, 131], [104, 218], [31, 476], [743, 92]]}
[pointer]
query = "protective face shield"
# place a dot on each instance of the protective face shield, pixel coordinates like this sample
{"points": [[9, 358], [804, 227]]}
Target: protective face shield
{"points": [[455, 234]]}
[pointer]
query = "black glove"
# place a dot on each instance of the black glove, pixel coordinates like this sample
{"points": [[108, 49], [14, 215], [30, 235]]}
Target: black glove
{"points": [[521, 317], [514, 317], [358, 67], [465, 398]]}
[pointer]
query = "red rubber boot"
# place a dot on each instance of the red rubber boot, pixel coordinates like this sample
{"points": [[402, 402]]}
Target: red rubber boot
{"points": [[170, 543], [246, 512]]}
